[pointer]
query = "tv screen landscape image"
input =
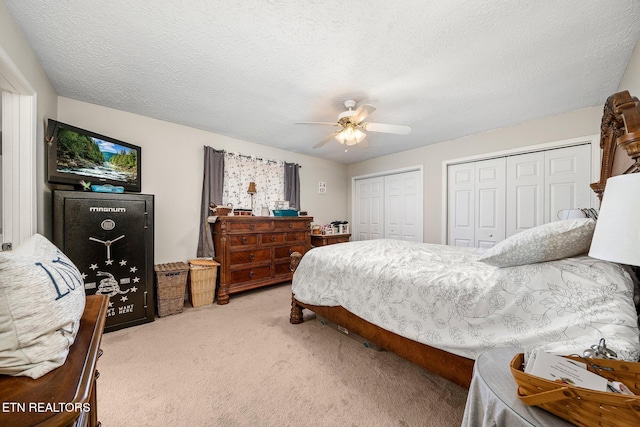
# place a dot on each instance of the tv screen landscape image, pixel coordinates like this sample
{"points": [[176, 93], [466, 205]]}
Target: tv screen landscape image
{"points": [[80, 155]]}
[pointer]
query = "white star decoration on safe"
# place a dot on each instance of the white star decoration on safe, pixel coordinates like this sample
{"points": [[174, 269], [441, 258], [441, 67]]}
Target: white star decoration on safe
{"points": [[84, 276], [136, 279], [133, 269], [124, 298], [109, 262], [123, 263], [94, 266], [133, 289]]}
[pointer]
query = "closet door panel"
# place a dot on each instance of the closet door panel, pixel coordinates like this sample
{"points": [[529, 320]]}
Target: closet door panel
{"points": [[567, 178], [461, 209], [403, 218], [370, 199], [490, 202], [524, 192]]}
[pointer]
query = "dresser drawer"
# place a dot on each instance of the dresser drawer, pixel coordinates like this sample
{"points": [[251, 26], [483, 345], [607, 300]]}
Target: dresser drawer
{"points": [[292, 225], [249, 274], [286, 251], [283, 268], [252, 255], [271, 238], [296, 236], [249, 226], [243, 240]]}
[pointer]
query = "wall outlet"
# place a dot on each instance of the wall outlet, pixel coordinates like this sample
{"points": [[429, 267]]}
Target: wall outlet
{"points": [[322, 187]]}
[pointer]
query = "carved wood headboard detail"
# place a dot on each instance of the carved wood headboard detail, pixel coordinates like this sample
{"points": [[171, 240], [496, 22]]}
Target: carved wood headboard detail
{"points": [[620, 129]]}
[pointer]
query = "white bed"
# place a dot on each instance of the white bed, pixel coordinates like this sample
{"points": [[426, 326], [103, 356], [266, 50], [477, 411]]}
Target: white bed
{"points": [[444, 297]]}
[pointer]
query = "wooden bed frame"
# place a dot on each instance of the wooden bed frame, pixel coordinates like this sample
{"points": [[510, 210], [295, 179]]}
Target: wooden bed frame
{"points": [[620, 130]]}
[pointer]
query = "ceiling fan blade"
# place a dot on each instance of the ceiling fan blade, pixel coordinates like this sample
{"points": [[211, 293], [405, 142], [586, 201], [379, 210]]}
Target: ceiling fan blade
{"points": [[317, 123], [327, 139], [362, 112], [384, 128]]}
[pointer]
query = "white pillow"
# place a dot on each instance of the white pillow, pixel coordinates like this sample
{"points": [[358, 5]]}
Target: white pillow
{"points": [[547, 242], [41, 302]]}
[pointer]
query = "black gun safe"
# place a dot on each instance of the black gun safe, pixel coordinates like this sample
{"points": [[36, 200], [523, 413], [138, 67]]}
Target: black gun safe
{"points": [[109, 237]]}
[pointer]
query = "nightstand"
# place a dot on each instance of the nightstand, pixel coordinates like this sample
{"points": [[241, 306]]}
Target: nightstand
{"points": [[329, 239], [492, 398]]}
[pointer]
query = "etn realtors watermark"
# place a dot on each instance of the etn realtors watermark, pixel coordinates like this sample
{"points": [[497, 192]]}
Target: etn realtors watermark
{"points": [[39, 407]]}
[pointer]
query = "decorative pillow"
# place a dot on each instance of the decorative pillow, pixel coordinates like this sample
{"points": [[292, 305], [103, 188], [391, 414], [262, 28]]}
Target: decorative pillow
{"points": [[547, 242], [41, 302]]}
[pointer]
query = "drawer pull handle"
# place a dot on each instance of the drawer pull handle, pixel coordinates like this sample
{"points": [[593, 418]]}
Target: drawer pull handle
{"points": [[273, 238], [251, 256], [97, 375], [290, 225], [295, 236], [244, 240], [251, 274], [252, 226]]}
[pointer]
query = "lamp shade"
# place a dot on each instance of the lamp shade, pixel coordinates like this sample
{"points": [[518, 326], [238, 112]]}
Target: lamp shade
{"points": [[617, 234], [252, 188]]}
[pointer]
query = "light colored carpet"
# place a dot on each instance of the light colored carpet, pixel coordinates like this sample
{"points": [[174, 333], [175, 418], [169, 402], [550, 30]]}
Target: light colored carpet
{"points": [[244, 364]]}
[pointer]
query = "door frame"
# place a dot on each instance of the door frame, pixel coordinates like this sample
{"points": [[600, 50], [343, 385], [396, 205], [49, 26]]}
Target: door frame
{"points": [[593, 140], [416, 168], [19, 106]]}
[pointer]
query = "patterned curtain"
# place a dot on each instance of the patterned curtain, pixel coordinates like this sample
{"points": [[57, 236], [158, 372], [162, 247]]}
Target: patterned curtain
{"points": [[240, 170]]}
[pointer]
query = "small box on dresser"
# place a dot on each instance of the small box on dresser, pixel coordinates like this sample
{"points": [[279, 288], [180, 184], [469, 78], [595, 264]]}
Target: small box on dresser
{"points": [[255, 251]]}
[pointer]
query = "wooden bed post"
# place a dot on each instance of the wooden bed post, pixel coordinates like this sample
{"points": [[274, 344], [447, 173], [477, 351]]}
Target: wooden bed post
{"points": [[296, 311], [620, 127]]}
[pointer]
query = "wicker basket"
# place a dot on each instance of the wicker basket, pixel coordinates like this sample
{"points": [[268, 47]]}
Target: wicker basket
{"points": [[202, 281], [581, 406], [171, 282], [219, 210]]}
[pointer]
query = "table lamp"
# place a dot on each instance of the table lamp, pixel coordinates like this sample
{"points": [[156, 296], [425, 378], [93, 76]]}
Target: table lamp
{"points": [[252, 190], [617, 234]]}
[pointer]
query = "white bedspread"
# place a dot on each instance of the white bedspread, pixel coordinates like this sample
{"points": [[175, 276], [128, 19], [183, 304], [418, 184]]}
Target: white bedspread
{"points": [[442, 296]]}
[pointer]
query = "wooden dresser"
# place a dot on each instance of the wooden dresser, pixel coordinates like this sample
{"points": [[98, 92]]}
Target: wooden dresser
{"points": [[255, 251], [329, 239], [65, 396]]}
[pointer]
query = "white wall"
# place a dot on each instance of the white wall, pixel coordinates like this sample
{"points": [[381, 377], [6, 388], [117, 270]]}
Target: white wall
{"points": [[172, 170], [18, 50]]}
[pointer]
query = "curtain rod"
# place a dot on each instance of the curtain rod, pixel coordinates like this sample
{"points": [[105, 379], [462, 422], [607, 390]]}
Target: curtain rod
{"points": [[258, 158]]}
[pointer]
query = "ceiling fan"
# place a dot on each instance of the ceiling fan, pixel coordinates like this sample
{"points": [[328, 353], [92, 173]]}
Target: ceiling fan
{"points": [[353, 127]]}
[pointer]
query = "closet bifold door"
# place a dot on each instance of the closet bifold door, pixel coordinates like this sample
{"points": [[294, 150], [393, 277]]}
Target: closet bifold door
{"points": [[461, 209], [525, 192], [370, 208], [490, 202], [567, 178]]}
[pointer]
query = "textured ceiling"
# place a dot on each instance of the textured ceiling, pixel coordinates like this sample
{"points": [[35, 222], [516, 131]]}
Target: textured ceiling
{"points": [[251, 69]]}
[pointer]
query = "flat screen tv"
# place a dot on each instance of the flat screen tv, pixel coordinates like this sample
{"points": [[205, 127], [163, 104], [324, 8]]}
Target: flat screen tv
{"points": [[80, 155]]}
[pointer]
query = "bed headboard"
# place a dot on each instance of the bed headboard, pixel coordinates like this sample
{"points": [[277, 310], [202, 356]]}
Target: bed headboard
{"points": [[619, 131]]}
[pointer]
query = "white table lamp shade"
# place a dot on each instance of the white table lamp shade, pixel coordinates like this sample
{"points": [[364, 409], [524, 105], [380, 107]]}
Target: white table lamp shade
{"points": [[617, 234]]}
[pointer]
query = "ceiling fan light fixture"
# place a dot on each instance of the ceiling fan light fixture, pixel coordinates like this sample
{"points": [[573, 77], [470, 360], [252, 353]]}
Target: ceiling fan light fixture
{"points": [[350, 135]]}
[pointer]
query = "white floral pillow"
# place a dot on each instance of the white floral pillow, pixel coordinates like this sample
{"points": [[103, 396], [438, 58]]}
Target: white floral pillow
{"points": [[41, 302], [547, 242]]}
